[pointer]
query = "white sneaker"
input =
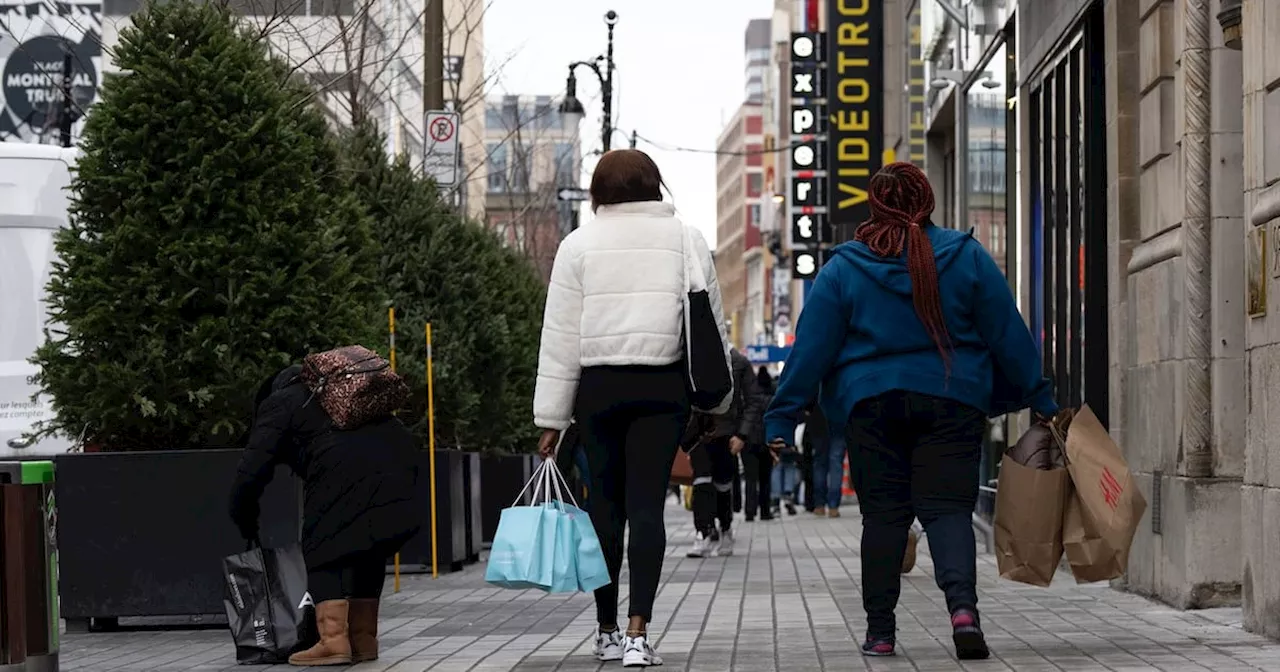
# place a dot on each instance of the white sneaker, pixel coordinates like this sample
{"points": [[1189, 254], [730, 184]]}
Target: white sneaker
{"points": [[636, 652], [608, 646], [702, 547], [725, 549]]}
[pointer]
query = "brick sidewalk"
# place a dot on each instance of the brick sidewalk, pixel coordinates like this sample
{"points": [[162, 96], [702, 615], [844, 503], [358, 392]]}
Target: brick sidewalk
{"points": [[788, 601]]}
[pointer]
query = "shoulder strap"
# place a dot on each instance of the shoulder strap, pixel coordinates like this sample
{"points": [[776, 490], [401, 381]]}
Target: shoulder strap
{"points": [[695, 275]]}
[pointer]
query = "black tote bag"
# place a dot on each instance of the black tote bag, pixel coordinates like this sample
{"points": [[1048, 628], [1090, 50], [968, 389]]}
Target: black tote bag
{"points": [[268, 607], [710, 379]]}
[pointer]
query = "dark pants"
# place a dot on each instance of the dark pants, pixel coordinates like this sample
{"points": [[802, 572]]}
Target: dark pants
{"points": [[714, 471], [919, 459], [758, 463], [358, 577], [632, 420]]}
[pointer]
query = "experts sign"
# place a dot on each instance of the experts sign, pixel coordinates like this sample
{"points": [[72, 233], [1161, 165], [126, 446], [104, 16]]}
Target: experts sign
{"points": [[855, 105]]}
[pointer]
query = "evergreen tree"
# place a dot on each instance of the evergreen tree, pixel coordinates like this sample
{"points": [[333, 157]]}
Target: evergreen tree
{"points": [[213, 240], [484, 303]]}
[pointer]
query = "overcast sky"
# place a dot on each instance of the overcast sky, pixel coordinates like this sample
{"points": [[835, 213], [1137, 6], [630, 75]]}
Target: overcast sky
{"points": [[680, 76]]}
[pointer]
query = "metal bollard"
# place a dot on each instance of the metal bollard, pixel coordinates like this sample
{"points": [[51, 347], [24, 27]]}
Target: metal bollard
{"points": [[29, 617]]}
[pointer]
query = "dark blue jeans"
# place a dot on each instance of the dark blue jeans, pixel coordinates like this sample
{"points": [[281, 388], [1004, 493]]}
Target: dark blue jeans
{"points": [[918, 459], [828, 473]]}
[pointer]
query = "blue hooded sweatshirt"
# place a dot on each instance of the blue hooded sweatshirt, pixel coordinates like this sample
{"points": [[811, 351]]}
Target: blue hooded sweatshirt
{"points": [[859, 337]]}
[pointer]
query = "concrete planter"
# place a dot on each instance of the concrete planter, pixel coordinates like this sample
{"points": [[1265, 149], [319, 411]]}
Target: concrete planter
{"points": [[457, 514], [143, 533]]}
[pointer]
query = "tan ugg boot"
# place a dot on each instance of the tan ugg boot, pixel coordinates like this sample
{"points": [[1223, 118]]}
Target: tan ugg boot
{"points": [[335, 645], [364, 630]]}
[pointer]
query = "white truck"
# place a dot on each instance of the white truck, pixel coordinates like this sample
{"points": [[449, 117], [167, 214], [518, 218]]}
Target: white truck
{"points": [[33, 206]]}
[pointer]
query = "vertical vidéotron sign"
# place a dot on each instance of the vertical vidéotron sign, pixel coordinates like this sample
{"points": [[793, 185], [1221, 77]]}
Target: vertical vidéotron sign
{"points": [[855, 103]]}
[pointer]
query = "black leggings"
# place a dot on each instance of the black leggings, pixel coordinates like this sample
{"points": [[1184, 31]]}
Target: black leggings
{"points": [[918, 457], [713, 474], [356, 577], [632, 418]]}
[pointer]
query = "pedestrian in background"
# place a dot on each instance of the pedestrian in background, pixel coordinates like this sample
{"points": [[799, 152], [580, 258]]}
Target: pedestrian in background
{"points": [[757, 461], [715, 443], [827, 464], [814, 453], [612, 357], [915, 338], [360, 507]]}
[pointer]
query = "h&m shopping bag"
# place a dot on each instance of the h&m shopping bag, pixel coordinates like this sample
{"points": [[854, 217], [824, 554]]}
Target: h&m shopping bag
{"points": [[1030, 499], [268, 608], [1103, 513]]}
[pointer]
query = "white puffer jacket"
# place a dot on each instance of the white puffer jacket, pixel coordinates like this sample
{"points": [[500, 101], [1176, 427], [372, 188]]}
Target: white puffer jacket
{"points": [[616, 298]]}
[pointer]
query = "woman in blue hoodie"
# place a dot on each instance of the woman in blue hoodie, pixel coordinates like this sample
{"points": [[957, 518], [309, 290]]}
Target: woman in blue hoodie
{"points": [[914, 338]]}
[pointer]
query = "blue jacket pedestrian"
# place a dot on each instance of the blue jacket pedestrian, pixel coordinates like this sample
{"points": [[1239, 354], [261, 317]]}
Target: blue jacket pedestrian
{"points": [[859, 337]]}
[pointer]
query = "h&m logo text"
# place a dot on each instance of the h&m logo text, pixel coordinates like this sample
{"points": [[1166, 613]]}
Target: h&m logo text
{"points": [[1111, 488]]}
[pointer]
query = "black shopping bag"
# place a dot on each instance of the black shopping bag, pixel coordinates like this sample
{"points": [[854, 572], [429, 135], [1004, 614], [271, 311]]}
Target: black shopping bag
{"points": [[706, 356], [268, 607]]}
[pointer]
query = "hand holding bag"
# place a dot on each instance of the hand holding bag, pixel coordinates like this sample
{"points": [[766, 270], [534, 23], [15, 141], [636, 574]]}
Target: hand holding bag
{"points": [[549, 545], [706, 353]]}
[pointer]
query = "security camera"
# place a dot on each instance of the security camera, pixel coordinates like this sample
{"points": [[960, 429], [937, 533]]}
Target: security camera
{"points": [[610, 18]]}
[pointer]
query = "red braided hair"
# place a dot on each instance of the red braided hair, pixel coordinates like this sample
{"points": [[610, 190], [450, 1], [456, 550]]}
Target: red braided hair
{"points": [[901, 201]]}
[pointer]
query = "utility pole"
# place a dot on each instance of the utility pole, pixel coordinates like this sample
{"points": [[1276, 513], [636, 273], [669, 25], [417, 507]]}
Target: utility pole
{"points": [[64, 120], [433, 60], [610, 20], [571, 106]]}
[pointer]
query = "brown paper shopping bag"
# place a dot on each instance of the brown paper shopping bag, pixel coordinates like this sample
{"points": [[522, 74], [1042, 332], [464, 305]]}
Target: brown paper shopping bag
{"points": [[1028, 522], [1105, 507]]}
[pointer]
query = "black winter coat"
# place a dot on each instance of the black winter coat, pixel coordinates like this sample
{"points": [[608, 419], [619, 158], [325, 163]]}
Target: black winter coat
{"points": [[361, 485]]}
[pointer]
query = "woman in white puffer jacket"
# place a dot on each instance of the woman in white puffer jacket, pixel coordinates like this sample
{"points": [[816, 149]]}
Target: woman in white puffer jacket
{"points": [[612, 357]]}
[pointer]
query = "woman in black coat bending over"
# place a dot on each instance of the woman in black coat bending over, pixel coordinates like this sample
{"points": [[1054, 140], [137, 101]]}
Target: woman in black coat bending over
{"points": [[360, 508]]}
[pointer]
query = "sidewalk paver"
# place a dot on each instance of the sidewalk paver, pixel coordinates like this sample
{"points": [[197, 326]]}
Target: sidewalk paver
{"points": [[787, 601]]}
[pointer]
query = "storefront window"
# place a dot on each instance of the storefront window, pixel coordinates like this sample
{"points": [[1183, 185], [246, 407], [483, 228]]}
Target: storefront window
{"points": [[988, 147], [1068, 225]]}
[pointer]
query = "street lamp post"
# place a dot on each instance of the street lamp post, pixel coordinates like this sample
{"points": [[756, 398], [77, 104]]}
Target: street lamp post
{"points": [[572, 107]]}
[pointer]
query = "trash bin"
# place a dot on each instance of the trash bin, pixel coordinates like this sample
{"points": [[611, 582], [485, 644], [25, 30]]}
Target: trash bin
{"points": [[28, 568]]}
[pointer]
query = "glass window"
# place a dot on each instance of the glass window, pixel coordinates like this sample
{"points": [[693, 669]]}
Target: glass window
{"points": [[545, 114], [987, 156], [566, 167], [493, 116], [497, 166], [755, 214], [755, 184], [521, 168]]}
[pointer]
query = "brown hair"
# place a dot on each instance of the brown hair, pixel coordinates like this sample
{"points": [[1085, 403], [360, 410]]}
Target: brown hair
{"points": [[901, 201], [625, 176]]}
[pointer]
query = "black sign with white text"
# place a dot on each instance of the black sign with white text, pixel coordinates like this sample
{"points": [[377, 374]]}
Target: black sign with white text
{"points": [[806, 263], [855, 101], [808, 119], [809, 155], [810, 230], [808, 47], [809, 192], [807, 81]]}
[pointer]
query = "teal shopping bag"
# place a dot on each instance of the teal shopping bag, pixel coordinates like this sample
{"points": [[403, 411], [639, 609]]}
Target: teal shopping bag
{"points": [[537, 546], [591, 570], [523, 554]]}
